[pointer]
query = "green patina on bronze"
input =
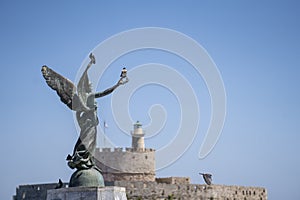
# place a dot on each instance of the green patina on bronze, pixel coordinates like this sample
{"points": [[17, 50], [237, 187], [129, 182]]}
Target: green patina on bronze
{"points": [[82, 101], [86, 177]]}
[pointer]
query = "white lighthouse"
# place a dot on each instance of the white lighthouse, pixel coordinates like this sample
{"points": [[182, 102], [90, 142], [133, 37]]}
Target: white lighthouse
{"points": [[138, 134]]}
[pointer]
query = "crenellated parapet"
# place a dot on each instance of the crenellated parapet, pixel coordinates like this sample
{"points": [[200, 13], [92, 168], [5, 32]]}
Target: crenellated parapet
{"points": [[127, 149]]}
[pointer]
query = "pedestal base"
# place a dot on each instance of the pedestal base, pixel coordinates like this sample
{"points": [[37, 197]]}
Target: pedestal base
{"points": [[87, 193]]}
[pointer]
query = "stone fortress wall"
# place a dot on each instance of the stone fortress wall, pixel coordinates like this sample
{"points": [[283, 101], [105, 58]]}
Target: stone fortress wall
{"points": [[34, 192], [169, 188], [126, 164], [159, 191]]}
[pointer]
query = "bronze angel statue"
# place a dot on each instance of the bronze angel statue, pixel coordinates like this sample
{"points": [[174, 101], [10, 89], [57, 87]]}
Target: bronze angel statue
{"points": [[82, 101]]}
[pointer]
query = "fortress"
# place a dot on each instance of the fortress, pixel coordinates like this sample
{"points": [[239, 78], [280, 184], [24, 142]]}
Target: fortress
{"points": [[134, 169], [130, 164], [127, 164]]}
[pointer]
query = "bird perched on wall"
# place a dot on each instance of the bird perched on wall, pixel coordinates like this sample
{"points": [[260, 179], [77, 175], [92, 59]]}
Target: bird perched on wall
{"points": [[207, 178], [124, 72], [59, 184]]}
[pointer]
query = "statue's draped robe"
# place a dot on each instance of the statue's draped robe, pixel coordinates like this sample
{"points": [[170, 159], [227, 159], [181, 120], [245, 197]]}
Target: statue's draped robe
{"points": [[87, 119], [84, 149]]}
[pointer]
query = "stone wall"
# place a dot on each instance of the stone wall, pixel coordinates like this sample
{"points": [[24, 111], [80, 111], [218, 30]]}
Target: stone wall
{"points": [[153, 190], [173, 180], [34, 192], [126, 164], [138, 190]]}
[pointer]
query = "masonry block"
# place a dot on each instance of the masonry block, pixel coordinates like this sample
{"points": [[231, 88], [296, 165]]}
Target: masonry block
{"points": [[87, 193]]}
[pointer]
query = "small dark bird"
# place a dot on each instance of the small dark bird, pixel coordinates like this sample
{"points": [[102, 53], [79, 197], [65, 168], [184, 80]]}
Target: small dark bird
{"points": [[207, 178], [59, 184], [123, 73]]}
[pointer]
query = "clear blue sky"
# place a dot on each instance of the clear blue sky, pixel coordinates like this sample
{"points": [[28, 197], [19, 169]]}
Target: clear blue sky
{"points": [[255, 45]]}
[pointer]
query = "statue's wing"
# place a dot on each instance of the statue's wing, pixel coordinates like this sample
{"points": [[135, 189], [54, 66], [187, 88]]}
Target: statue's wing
{"points": [[63, 86]]}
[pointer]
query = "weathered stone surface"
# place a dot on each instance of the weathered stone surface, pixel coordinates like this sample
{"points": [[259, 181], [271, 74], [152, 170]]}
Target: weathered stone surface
{"points": [[126, 164], [153, 190], [173, 180], [34, 192], [87, 193]]}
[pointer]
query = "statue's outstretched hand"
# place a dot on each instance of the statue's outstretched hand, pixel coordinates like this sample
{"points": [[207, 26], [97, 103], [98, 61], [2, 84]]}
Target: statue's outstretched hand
{"points": [[122, 81]]}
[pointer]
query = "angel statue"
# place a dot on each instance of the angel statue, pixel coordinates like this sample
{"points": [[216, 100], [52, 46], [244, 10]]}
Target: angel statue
{"points": [[82, 101]]}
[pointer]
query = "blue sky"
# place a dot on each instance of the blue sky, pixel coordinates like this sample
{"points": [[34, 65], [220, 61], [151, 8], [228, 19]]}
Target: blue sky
{"points": [[255, 45]]}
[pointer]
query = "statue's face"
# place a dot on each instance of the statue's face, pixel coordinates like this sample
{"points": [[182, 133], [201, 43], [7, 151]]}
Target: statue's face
{"points": [[91, 103]]}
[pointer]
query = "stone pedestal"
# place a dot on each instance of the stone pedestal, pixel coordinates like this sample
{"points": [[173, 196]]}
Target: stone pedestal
{"points": [[87, 193]]}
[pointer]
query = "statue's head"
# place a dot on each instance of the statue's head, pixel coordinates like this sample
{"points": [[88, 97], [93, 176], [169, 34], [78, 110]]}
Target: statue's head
{"points": [[90, 102]]}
